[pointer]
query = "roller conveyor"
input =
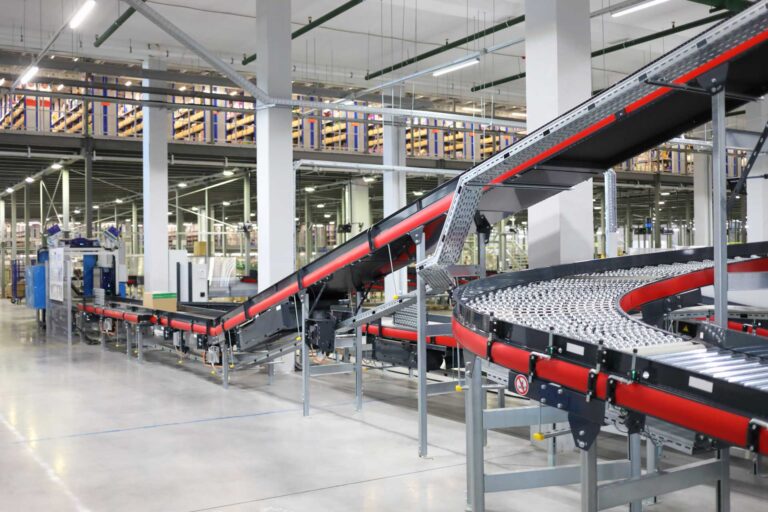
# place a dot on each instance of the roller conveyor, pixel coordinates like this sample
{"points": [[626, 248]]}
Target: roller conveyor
{"points": [[543, 324]]}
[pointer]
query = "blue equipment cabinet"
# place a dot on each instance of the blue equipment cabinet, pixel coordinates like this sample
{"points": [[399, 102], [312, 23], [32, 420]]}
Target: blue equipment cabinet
{"points": [[35, 286]]}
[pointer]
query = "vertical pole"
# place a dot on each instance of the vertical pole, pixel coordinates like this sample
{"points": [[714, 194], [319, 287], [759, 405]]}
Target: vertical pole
{"points": [[652, 455], [139, 343], [88, 154], [14, 248], [135, 228], [724, 483], [41, 185], [476, 465], [359, 359], [655, 209], [225, 363], [635, 466], [421, 356], [65, 200], [208, 248], [307, 228], [26, 225], [180, 236], [305, 362], [247, 221], [589, 478], [719, 190], [469, 358], [102, 335], [68, 288], [128, 342]]}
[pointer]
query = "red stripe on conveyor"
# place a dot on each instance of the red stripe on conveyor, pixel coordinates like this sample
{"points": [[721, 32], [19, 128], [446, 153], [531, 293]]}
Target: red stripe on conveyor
{"points": [[354, 254], [556, 148], [685, 412], [419, 218], [397, 333], [660, 289]]}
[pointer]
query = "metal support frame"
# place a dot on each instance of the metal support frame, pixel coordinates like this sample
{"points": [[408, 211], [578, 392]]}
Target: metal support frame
{"points": [[421, 340], [719, 207], [139, 344], [128, 342], [626, 483], [305, 360]]}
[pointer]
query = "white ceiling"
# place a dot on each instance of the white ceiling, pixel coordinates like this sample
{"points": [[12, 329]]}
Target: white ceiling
{"points": [[372, 35]]}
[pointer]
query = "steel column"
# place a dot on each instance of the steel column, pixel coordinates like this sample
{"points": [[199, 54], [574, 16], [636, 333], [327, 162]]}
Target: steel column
{"points": [[88, 180], [134, 228], [3, 238], [26, 225], [421, 337], [65, 200], [139, 344], [14, 247], [635, 466], [180, 244], [359, 359], [719, 205], [476, 456], [247, 221], [724, 483], [589, 478], [225, 364], [128, 343], [305, 361]]}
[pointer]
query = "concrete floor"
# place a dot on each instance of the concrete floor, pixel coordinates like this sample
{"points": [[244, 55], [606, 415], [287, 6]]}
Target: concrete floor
{"points": [[92, 430]]}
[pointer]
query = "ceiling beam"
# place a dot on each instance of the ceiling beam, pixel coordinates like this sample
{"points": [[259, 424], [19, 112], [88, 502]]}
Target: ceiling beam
{"points": [[448, 46], [620, 46], [114, 26]]}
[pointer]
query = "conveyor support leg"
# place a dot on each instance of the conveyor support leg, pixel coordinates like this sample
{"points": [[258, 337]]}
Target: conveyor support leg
{"points": [[589, 478]]}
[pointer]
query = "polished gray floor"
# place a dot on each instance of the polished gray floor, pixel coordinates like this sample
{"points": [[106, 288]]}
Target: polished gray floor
{"points": [[92, 430]]}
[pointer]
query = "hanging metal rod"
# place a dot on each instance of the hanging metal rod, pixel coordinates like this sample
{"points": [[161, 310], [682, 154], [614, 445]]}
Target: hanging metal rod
{"points": [[268, 102], [447, 46], [619, 46]]}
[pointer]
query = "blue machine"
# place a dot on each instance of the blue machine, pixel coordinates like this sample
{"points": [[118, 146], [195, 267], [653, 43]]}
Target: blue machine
{"points": [[89, 264], [35, 286]]}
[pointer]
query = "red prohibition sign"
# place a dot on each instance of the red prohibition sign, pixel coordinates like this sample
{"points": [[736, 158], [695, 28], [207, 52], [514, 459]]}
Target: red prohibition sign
{"points": [[521, 385]]}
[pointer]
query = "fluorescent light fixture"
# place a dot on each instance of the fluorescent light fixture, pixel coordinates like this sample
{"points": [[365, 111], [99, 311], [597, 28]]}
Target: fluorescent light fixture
{"points": [[665, 193], [253, 214], [29, 179], [128, 83], [77, 212], [119, 201], [59, 87], [2, 81], [369, 179], [95, 207], [321, 205], [456, 67], [309, 189], [9, 190], [84, 10], [182, 185], [638, 7], [183, 88], [327, 215], [738, 197], [195, 208], [29, 74], [418, 193], [170, 213], [233, 93], [226, 203], [296, 219], [661, 203], [56, 166], [598, 207], [228, 173]]}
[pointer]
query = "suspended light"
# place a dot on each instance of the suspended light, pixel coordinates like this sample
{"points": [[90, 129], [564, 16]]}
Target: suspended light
{"points": [[195, 208], [182, 185], [9, 190], [28, 75], [59, 87], [95, 207], [321, 205], [226, 203], [29, 179], [183, 88], [369, 179], [2, 81], [119, 201], [228, 172], [82, 13], [128, 83], [418, 193], [309, 189], [456, 67], [638, 7], [327, 215], [77, 212]]}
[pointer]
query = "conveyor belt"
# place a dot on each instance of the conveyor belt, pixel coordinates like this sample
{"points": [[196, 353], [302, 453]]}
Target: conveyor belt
{"points": [[624, 120], [545, 322]]}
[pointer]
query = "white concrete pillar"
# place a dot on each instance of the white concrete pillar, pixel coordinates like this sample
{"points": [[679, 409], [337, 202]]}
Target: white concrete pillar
{"points": [[275, 179], [155, 159], [65, 200], [559, 76], [702, 199], [394, 192], [358, 211], [757, 189]]}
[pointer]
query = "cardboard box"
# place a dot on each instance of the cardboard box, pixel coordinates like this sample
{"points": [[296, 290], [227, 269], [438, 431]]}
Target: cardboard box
{"points": [[200, 249], [161, 301]]}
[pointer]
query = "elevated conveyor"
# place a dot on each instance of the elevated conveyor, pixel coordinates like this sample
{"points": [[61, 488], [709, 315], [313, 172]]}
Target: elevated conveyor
{"points": [[627, 118]]}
